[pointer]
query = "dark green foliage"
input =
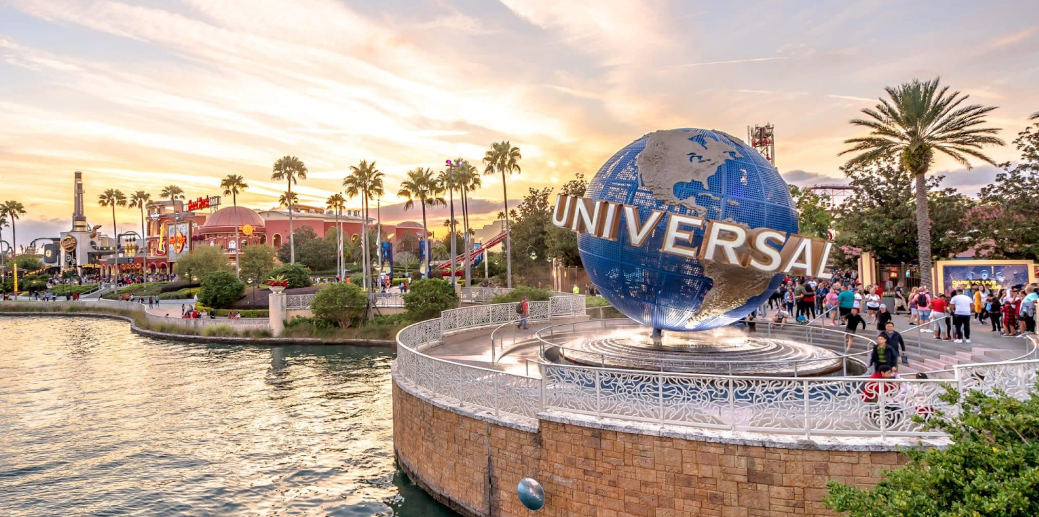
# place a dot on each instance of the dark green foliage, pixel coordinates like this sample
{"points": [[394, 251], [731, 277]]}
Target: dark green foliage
{"points": [[1008, 214], [428, 297], [27, 263], [220, 290], [340, 304], [813, 215], [301, 235], [991, 468], [256, 261], [296, 274], [202, 262], [533, 294]]}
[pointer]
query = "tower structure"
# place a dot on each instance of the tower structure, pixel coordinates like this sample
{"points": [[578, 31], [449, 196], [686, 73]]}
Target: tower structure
{"points": [[763, 139], [79, 220]]}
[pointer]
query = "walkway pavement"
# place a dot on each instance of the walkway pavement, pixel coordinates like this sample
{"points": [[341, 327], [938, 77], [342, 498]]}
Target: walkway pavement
{"points": [[925, 352]]}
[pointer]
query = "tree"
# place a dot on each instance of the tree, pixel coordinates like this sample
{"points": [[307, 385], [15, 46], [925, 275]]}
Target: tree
{"points": [[299, 237], [923, 117], [201, 262], [531, 232], [297, 275], [234, 184], [421, 186], [13, 210], [257, 261], [290, 169], [1007, 214], [341, 304], [318, 254], [288, 199], [3, 222], [406, 260], [881, 216], [220, 289], [113, 198], [562, 242], [813, 218], [365, 180], [173, 193], [503, 158], [427, 297], [338, 203], [468, 179], [141, 200], [991, 468]]}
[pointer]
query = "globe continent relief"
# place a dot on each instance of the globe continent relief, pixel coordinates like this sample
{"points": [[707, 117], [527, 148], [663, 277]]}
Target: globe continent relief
{"points": [[695, 172]]}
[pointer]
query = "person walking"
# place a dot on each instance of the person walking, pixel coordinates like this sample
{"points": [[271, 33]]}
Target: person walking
{"points": [[940, 309], [845, 302], [961, 311], [923, 307], [894, 339], [883, 355], [809, 299], [524, 310], [883, 318], [872, 304], [992, 310], [1010, 313]]}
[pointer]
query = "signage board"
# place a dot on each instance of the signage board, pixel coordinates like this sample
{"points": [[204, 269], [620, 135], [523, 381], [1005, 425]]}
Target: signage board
{"points": [[177, 240], [203, 202], [994, 274]]}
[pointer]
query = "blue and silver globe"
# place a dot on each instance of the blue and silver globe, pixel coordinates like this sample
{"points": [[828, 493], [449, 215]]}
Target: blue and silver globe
{"points": [[694, 172]]}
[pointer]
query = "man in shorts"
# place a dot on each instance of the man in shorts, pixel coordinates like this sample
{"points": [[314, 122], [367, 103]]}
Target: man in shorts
{"points": [[923, 306]]}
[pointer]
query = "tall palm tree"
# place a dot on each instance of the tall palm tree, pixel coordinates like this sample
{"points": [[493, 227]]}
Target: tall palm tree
{"points": [[503, 158], [366, 181], [234, 184], [337, 202], [921, 118], [3, 222], [288, 199], [13, 210], [421, 185], [173, 193], [448, 179], [141, 200], [113, 198], [290, 169]]}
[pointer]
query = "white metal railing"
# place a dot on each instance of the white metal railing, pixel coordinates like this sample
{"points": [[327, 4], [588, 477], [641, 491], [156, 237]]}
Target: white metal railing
{"points": [[480, 294], [303, 301], [809, 406]]}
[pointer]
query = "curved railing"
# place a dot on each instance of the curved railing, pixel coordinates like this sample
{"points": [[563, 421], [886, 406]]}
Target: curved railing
{"points": [[801, 365], [173, 319], [809, 406]]}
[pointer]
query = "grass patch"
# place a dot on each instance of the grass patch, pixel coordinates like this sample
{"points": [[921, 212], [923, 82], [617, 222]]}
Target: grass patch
{"points": [[592, 303]]}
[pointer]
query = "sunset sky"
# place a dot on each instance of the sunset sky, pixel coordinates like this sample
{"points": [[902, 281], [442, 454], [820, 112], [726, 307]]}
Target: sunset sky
{"points": [[138, 95]]}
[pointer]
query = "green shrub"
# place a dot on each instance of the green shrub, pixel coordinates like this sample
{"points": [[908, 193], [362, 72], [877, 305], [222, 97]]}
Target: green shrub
{"points": [[245, 313], [428, 297], [182, 294], [220, 289], [592, 303], [219, 331], [339, 304], [533, 294], [303, 321], [296, 274], [177, 286], [71, 289]]}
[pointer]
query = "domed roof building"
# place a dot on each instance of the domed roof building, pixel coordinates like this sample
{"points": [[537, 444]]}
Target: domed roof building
{"points": [[223, 220], [219, 229]]}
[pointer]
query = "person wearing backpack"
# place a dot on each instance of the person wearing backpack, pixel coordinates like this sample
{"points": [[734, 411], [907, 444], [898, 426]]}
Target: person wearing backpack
{"points": [[523, 310], [809, 300]]}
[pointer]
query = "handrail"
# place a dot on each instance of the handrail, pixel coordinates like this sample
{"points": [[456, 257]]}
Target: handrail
{"points": [[919, 342], [842, 357]]}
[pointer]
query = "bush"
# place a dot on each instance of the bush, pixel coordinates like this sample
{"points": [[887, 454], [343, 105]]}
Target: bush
{"points": [[202, 262], [339, 304], [220, 289], [297, 274], [183, 294], [219, 331], [176, 286], [245, 313], [593, 302], [428, 297], [533, 294]]}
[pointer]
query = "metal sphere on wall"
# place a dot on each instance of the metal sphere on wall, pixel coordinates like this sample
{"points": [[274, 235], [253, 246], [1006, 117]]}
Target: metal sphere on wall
{"points": [[531, 494]]}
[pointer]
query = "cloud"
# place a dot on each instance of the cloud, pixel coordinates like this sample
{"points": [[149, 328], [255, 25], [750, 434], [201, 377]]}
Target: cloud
{"points": [[805, 178], [851, 98], [731, 61]]}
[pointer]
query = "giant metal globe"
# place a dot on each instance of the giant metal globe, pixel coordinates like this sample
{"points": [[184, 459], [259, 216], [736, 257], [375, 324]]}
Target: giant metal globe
{"points": [[694, 172]]}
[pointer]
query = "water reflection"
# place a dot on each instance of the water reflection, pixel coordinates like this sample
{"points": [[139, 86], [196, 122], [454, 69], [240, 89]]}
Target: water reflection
{"points": [[95, 420]]}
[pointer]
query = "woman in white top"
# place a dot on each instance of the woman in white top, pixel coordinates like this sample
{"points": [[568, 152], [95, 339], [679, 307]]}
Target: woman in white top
{"points": [[858, 300], [872, 305]]}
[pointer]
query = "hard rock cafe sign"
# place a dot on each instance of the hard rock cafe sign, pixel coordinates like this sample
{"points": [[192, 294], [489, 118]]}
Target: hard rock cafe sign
{"points": [[248, 229], [203, 202], [177, 241]]}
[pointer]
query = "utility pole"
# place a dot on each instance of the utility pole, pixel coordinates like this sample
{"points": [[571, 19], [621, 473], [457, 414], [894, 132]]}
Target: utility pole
{"points": [[450, 194]]}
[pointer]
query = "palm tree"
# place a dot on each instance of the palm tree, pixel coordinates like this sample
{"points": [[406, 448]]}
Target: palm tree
{"points": [[421, 185], [141, 200], [290, 169], [173, 193], [13, 210], [113, 198], [3, 222], [288, 199], [365, 180], [921, 118], [503, 158], [449, 181], [233, 185], [337, 202]]}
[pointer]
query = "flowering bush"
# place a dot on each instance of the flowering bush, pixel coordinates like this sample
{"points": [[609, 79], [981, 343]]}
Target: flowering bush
{"points": [[278, 281]]}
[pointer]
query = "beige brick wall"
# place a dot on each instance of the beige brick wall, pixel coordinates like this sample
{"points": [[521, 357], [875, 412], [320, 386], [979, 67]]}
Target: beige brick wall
{"points": [[614, 474]]}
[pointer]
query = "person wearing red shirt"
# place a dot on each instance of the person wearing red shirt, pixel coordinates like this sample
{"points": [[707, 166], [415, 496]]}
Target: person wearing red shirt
{"points": [[871, 392], [939, 308]]}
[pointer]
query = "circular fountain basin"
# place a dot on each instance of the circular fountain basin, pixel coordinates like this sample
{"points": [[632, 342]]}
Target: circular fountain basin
{"points": [[721, 351]]}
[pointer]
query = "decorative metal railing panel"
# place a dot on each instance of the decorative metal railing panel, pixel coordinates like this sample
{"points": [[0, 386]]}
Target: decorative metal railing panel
{"points": [[481, 294], [298, 301]]}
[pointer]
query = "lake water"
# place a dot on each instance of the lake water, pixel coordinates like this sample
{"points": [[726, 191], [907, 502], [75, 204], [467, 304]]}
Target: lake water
{"points": [[96, 420]]}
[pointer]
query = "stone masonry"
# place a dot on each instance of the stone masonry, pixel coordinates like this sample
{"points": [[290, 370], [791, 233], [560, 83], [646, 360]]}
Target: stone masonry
{"points": [[474, 465]]}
